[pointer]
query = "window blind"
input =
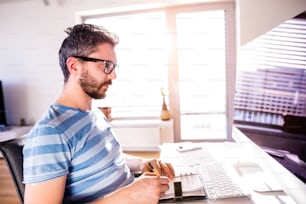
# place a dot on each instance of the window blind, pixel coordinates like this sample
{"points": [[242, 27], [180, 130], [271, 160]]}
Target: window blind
{"points": [[271, 77]]}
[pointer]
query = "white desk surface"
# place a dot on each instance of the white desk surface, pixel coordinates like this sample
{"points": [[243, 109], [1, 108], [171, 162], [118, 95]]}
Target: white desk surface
{"points": [[14, 132], [253, 164]]}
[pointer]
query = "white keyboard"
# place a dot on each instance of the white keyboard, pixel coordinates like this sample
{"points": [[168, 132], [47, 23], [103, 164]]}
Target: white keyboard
{"points": [[221, 180]]}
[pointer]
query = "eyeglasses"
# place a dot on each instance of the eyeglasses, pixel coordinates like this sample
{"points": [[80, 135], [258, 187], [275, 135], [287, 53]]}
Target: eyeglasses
{"points": [[109, 66]]}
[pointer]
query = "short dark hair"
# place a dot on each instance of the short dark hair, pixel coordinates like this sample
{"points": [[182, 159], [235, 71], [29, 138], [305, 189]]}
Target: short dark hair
{"points": [[82, 40]]}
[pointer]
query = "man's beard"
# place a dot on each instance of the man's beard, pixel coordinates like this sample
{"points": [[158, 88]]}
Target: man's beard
{"points": [[91, 87]]}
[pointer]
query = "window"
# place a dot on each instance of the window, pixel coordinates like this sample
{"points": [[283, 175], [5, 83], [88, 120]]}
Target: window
{"points": [[184, 50], [142, 56], [271, 79], [201, 64]]}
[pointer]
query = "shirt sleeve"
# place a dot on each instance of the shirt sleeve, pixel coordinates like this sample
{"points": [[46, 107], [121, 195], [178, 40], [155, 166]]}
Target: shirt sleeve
{"points": [[46, 154]]}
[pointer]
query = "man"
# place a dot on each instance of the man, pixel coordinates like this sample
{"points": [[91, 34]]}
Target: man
{"points": [[71, 154]]}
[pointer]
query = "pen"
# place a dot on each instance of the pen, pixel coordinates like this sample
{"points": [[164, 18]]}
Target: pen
{"points": [[154, 169]]}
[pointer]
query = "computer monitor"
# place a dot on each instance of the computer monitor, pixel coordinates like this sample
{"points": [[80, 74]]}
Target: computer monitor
{"points": [[3, 122]]}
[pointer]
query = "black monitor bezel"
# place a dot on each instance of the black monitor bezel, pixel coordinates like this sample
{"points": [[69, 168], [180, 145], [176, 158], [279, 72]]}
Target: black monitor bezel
{"points": [[3, 121]]}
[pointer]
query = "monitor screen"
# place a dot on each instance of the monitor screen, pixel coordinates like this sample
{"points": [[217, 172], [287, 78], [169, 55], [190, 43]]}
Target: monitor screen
{"points": [[2, 108]]}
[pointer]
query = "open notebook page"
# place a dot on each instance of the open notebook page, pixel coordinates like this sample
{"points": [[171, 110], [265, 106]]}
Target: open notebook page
{"points": [[191, 186]]}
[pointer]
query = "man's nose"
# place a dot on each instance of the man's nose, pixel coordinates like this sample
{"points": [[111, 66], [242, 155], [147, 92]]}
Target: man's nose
{"points": [[112, 75]]}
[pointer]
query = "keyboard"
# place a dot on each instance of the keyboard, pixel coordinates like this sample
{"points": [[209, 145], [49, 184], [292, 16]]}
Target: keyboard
{"points": [[221, 180]]}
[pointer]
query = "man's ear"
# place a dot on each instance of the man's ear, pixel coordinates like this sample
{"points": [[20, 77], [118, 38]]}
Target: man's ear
{"points": [[72, 65]]}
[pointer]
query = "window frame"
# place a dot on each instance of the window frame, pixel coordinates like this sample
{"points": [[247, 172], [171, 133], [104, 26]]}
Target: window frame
{"points": [[173, 80]]}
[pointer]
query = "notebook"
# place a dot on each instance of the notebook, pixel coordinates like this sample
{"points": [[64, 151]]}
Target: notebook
{"points": [[186, 186]]}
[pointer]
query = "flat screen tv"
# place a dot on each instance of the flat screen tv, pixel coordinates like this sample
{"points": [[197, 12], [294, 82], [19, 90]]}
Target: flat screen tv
{"points": [[3, 123]]}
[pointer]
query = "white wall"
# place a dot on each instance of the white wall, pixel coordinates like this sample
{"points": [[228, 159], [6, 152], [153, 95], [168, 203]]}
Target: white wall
{"points": [[259, 16], [31, 34]]}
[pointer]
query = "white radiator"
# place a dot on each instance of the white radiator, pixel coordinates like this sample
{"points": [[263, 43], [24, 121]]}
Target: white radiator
{"points": [[143, 135]]}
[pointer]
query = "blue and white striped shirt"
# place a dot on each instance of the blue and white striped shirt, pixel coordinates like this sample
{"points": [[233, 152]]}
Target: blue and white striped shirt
{"points": [[78, 144]]}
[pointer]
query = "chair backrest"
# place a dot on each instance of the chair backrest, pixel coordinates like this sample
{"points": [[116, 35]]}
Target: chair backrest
{"points": [[12, 153]]}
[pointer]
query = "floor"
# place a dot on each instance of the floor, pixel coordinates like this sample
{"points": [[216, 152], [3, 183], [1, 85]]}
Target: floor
{"points": [[8, 193]]}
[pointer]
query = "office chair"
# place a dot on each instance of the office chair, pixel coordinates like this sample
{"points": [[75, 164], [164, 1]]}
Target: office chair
{"points": [[12, 154]]}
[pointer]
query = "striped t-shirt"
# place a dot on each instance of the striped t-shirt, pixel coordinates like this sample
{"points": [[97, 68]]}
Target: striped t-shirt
{"points": [[81, 145]]}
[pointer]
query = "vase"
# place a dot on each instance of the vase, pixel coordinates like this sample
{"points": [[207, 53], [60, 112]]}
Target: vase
{"points": [[165, 114]]}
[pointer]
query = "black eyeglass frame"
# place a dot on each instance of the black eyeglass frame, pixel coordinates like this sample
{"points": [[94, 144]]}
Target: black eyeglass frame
{"points": [[109, 66]]}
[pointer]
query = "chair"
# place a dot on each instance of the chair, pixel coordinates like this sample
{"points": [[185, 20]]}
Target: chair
{"points": [[12, 153]]}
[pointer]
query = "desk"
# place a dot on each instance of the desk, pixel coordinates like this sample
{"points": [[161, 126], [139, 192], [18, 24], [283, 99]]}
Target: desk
{"points": [[247, 158], [14, 132]]}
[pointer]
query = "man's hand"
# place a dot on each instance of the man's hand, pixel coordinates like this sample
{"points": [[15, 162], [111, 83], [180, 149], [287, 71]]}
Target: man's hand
{"points": [[164, 168]]}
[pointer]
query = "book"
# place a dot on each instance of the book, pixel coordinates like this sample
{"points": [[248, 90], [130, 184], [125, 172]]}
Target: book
{"points": [[185, 186]]}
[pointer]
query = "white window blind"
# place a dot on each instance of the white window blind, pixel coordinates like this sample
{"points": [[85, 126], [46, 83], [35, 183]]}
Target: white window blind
{"points": [[271, 79]]}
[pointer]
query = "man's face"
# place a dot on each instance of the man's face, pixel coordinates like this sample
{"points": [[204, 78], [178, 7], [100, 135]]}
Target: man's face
{"points": [[93, 79]]}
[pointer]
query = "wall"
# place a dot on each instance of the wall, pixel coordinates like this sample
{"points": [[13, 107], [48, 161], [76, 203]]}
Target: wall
{"points": [[31, 34], [256, 17]]}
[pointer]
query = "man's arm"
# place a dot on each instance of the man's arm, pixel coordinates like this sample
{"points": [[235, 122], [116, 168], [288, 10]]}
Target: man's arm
{"points": [[46, 192], [145, 189]]}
